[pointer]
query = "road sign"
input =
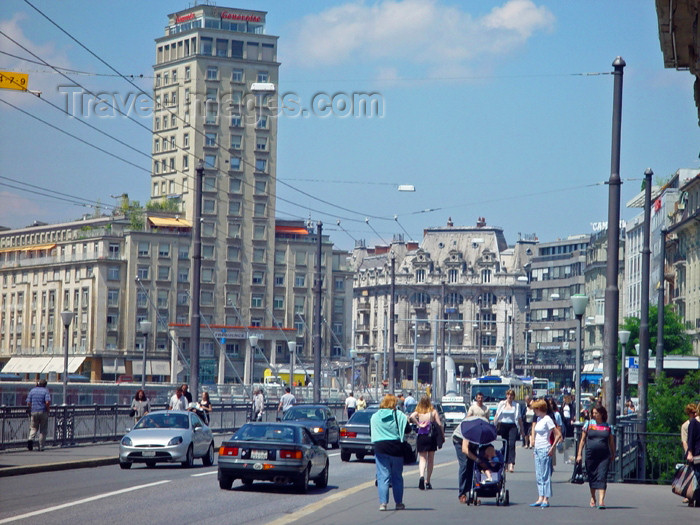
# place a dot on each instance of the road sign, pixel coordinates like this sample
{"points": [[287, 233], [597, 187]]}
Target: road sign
{"points": [[10, 80], [633, 374]]}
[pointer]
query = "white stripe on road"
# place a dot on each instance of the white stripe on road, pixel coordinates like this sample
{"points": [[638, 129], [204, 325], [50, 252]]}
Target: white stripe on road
{"points": [[310, 509], [81, 501], [204, 473]]}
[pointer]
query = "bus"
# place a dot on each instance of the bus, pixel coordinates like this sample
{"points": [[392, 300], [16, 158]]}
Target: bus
{"points": [[540, 387], [494, 390]]}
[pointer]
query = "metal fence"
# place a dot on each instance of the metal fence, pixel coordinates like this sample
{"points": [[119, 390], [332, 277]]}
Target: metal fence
{"points": [[74, 424]]}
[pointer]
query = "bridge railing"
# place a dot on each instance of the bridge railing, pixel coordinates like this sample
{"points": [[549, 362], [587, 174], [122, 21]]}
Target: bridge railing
{"points": [[72, 424]]}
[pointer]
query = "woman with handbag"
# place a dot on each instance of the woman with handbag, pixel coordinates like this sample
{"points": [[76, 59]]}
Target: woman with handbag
{"points": [[545, 436], [388, 450], [509, 425], [430, 430], [140, 405], [598, 439], [693, 454]]}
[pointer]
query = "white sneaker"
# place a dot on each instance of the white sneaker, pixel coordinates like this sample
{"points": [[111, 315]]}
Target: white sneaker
{"points": [[382, 506]]}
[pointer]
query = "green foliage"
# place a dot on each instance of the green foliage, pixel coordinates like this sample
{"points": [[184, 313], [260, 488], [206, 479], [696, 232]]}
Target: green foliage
{"points": [[667, 401], [133, 211], [676, 340], [170, 205]]}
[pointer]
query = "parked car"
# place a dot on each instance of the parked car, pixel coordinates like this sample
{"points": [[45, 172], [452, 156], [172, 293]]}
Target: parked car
{"points": [[355, 437], [319, 420], [167, 436], [279, 452]]}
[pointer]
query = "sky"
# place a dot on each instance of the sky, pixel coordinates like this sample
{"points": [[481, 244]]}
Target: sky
{"points": [[495, 109]]}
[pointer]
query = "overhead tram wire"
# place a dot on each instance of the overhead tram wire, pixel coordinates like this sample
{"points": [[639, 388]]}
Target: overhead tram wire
{"points": [[69, 70], [396, 218], [375, 231], [42, 194], [201, 132], [346, 232]]}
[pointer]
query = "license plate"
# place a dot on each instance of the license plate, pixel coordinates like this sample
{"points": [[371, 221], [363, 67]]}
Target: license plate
{"points": [[149, 453], [258, 454]]}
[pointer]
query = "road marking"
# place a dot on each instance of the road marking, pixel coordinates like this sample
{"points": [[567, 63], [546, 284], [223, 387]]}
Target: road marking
{"points": [[334, 454], [204, 474], [81, 501], [310, 509]]}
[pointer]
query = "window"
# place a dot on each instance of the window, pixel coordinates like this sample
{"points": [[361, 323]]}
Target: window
{"points": [[163, 273], [231, 300], [252, 50], [209, 183], [237, 51], [278, 302], [164, 250], [144, 249], [235, 163], [185, 163], [256, 301], [221, 47], [300, 280], [206, 45], [279, 256], [268, 52], [142, 272], [234, 185], [420, 276], [486, 276], [183, 274], [234, 230], [259, 255], [259, 232], [262, 122], [207, 275], [210, 140], [259, 210], [112, 297], [237, 75], [208, 251], [261, 143], [162, 300], [183, 251], [186, 140], [187, 73], [234, 208], [156, 146], [158, 80], [338, 305], [208, 229], [233, 253], [258, 277], [453, 276], [212, 73], [263, 76], [299, 301], [210, 161], [339, 283], [235, 121], [182, 298], [279, 279], [232, 349], [232, 276], [236, 141], [113, 273], [260, 187]]}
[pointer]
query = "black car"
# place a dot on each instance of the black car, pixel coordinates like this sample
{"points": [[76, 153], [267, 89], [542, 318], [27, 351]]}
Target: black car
{"points": [[279, 452], [319, 420], [355, 437]]}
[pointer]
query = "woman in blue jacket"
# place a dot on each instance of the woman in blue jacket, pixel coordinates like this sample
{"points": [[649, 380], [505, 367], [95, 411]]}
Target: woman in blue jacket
{"points": [[388, 455]]}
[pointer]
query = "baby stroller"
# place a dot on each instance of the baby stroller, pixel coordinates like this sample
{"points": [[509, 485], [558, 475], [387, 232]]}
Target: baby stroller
{"points": [[484, 435]]}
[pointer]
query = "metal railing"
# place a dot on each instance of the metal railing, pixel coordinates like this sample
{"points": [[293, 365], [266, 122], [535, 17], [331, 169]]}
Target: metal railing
{"points": [[73, 424]]}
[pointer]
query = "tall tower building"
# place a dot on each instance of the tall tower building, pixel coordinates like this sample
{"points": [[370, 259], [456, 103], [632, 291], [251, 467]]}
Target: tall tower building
{"points": [[215, 76]]}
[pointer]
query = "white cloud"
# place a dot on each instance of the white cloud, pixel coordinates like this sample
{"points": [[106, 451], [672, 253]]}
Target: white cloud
{"points": [[41, 78], [424, 32]]}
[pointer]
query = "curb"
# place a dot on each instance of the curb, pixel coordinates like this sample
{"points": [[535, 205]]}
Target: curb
{"points": [[64, 465]]}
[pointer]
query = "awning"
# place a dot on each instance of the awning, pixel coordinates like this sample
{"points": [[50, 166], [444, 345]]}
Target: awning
{"points": [[113, 366], [592, 378], [41, 365], [169, 222], [291, 229], [34, 247], [153, 367]]}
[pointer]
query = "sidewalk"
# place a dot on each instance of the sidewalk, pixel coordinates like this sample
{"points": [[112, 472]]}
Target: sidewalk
{"points": [[15, 462]]}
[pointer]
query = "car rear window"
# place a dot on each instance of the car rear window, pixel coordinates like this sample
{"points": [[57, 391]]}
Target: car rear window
{"points": [[249, 432], [361, 417]]}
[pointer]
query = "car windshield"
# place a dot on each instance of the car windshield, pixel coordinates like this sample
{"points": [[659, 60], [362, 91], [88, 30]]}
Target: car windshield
{"points": [[250, 432], [455, 408], [296, 413], [170, 420], [361, 418]]}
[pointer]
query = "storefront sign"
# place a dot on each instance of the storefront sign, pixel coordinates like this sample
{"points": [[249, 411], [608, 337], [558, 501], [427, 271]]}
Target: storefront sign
{"points": [[184, 18], [238, 16]]}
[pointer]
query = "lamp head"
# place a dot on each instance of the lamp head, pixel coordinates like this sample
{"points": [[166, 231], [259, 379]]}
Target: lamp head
{"points": [[67, 317], [253, 340], [145, 327], [624, 336], [579, 302], [292, 345]]}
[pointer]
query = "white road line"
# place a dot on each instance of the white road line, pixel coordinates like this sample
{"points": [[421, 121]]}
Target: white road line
{"points": [[204, 474], [81, 501], [335, 454]]}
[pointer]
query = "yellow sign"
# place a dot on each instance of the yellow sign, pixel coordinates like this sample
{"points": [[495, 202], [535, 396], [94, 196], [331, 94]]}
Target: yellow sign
{"points": [[10, 80]]}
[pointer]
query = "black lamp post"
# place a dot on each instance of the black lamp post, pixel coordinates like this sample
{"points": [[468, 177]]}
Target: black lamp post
{"points": [[145, 328], [67, 318], [579, 303]]}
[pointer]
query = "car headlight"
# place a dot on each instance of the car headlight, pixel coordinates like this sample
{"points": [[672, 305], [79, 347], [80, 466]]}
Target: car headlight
{"points": [[126, 441], [317, 430], [175, 441]]}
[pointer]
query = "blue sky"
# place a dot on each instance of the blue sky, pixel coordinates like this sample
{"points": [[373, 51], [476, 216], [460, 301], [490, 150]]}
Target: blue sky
{"points": [[486, 109]]}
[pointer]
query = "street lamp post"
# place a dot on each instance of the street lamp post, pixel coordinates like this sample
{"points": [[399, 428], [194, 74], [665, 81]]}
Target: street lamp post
{"points": [[624, 336], [377, 357], [392, 307], [253, 345], [579, 303], [353, 354], [145, 328], [416, 364], [195, 317], [292, 345], [461, 379], [67, 318]]}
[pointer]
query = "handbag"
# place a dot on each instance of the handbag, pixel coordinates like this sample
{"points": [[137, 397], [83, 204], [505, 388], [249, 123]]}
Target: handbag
{"points": [[578, 477], [684, 483], [132, 413], [406, 450], [436, 434]]}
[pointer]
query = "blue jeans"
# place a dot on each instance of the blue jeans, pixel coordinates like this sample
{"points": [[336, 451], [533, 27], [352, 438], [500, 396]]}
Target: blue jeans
{"points": [[465, 472], [389, 469], [543, 472]]}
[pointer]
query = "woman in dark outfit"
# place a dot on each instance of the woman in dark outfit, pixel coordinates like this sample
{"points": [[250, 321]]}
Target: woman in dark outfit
{"points": [[599, 441], [693, 453]]}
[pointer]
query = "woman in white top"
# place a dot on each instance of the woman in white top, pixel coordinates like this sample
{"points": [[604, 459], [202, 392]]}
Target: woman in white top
{"points": [[545, 436], [509, 424]]}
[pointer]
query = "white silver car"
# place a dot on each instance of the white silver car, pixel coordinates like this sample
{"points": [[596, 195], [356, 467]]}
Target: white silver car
{"points": [[167, 436]]}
